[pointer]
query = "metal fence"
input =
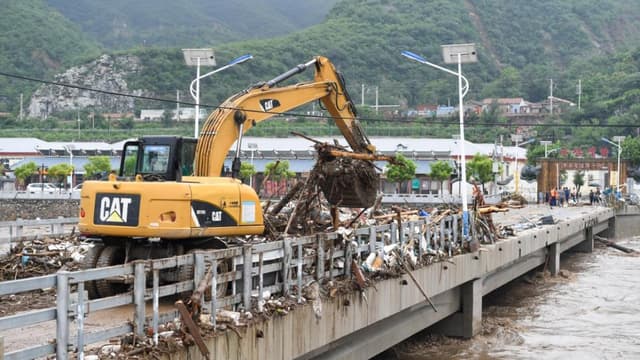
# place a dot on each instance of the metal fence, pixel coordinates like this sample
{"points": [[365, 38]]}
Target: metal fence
{"points": [[281, 268], [61, 194], [12, 231]]}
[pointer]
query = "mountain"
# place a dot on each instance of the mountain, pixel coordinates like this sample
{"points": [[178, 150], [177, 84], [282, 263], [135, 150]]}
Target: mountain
{"points": [[521, 44], [122, 24], [36, 41]]}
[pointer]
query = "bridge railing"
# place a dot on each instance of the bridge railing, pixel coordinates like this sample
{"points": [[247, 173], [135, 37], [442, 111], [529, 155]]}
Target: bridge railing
{"points": [[21, 229], [282, 267]]}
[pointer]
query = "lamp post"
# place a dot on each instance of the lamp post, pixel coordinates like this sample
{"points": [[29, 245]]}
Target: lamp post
{"points": [[69, 149], [545, 143], [197, 57], [618, 139], [456, 54], [517, 138], [253, 147]]}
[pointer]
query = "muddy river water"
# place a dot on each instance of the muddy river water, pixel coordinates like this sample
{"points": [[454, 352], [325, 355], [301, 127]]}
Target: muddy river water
{"points": [[591, 311]]}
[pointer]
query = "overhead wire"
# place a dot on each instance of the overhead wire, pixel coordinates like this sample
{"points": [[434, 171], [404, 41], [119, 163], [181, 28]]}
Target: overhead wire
{"points": [[294, 114]]}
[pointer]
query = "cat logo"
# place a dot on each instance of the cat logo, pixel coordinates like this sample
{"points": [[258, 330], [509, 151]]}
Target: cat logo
{"points": [[117, 209], [269, 104]]}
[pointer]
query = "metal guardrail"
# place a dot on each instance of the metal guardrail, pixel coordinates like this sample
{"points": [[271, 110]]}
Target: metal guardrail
{"points": [[24, 195], [291, 263], [18, 230], [436, 199]]}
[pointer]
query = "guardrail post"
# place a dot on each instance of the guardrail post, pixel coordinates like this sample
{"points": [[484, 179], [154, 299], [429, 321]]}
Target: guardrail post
{"points": [[214, 291], [198, 271], [19, 229], [372, 240], [286, 265], [443, 239], [299, 263], [156, 304], [62, 315], [454, 228], [57, 227], [394, 233], [139, 283], [80, 320], [427, 223], [247, 279], [347, 258], [320, 259]]}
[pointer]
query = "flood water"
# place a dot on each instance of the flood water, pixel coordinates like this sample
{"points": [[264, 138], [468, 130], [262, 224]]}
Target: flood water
{"points": [[592, 311]]}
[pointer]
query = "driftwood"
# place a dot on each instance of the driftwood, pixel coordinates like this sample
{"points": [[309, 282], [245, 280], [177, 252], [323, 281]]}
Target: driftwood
{"points": [[491, 209], [192, 328], [613, 244], [402, 213], [287, 198]]}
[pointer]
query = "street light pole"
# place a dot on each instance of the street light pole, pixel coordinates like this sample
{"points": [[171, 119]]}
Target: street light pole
{"points": [[517, 138], [69, 149], [545, 143], [456, 53], [205, 57], [619, 139]]}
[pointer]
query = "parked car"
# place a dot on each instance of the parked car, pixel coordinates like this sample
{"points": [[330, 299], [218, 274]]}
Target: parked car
{"points": [[76, 189], [41, 188]]}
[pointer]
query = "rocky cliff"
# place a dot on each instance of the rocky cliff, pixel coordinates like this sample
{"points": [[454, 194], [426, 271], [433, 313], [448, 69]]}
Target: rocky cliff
{"points": [[107, 73]]}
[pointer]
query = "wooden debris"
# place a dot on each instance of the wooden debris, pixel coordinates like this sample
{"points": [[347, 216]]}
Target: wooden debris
{"points": [[192, 328]]}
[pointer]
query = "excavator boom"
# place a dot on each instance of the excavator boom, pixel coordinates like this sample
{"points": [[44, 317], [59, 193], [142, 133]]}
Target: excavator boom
{"points": [[242, 111]]}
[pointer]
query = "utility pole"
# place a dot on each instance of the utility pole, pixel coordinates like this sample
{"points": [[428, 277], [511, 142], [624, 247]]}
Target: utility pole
{"points": [[362, 96], [551, 96], [579, 92], [78, 114], [21, 108], [178, 105], [376, 100]]}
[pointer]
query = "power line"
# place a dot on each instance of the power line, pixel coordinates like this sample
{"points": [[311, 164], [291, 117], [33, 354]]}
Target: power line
{"points": [[293, 114]]}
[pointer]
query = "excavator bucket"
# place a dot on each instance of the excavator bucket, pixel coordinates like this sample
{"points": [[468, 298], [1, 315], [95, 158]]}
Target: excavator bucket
{"points": [[348, 182]]}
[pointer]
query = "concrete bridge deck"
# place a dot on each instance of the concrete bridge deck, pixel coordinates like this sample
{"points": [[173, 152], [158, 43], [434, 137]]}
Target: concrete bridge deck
{"points": [[361, 325]]}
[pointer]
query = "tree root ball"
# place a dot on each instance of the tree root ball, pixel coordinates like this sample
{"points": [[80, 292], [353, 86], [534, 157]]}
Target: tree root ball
{"points": [[348, 182]]}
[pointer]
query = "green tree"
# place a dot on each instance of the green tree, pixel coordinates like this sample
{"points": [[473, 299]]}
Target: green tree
{"points": [[578, 180], [247, 170], [97, 165], [23, 172], [481, 168], [440, 171], [631, 150], [167, 118], [60, 172], [126, 123], [402, 169], [278, 170]]}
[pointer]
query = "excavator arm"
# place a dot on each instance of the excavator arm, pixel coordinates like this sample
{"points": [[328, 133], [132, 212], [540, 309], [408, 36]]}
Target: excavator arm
{"points": [[246, 109]]}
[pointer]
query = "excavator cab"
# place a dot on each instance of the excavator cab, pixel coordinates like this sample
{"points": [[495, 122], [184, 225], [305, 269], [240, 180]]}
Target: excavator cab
{"points": [[158, 158]]}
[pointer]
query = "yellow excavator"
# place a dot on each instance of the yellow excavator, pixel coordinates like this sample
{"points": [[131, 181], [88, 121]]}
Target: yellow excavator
{"points": [[169, 197]]}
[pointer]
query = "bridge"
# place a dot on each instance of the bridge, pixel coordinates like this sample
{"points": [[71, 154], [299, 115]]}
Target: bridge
{"points": [[445, 292]]}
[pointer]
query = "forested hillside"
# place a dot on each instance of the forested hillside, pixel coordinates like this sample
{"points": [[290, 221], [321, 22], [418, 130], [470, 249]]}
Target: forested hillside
{"points": [[36, 41], [122, 24], [521, 45]]}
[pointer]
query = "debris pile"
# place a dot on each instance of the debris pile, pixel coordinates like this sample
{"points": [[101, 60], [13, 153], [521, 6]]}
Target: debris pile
{"points": [[42, 257]]}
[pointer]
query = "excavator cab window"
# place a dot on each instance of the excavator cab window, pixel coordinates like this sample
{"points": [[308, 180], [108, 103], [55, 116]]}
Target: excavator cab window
{"points": [[155, 159], [129, 160], [187, 157]]}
